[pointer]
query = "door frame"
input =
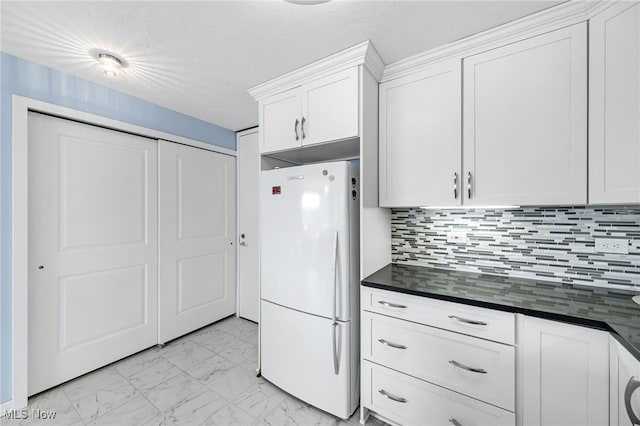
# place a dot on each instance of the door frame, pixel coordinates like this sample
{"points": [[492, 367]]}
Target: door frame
{"points": [[244, 132], [21, 106]]}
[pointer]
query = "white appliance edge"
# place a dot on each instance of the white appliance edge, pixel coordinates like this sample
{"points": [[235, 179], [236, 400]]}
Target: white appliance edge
{"points": [[302, 211]]}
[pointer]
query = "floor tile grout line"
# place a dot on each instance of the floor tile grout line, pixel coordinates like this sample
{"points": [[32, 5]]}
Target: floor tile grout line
{"points": [[73, 405], [142, 393]]}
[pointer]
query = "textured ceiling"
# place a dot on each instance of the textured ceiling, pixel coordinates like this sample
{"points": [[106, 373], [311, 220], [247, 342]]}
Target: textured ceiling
{"points": [[199, 58]]}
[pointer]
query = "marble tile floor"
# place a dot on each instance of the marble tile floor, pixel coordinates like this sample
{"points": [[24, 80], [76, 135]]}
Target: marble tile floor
{"points": [[207, 377]]}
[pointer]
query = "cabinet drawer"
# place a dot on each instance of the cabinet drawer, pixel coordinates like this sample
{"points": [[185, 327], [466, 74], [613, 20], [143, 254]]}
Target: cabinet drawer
{"points": [[480, 322], [475, 367], [424, 403]]}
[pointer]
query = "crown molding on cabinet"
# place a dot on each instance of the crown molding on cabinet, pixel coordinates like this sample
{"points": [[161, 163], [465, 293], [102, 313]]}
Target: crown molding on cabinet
{"points": [[563, 15], [361, 54]]}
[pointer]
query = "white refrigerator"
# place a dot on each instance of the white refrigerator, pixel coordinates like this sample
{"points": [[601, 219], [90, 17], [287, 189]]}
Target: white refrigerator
{"points": [[309, 288]]}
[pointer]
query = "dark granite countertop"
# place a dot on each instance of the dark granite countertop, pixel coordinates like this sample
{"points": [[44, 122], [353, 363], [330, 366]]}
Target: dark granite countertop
{"points": [[607, 309]]}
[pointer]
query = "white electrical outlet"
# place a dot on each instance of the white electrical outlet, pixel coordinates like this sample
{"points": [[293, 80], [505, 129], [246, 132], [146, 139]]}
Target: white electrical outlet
{"points": [[457, 237], [612, 245]]}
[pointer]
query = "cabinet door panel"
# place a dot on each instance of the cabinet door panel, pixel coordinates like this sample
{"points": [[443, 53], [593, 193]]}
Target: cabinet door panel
{"points": [[420, 138], [624, 367], [330, 108], [280, 121], [614, 105], [525, 112], [565, 374]]}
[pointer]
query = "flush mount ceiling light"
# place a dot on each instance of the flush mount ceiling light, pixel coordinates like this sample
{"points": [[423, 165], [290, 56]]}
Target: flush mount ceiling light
{"points": [[307, 2], [109, 62]]}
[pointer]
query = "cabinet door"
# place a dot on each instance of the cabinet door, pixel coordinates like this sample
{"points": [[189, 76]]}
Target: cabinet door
{"points": [[280, 121], [565, 374], [625, 370], [421, 138], [614, 105], [330, 108], [525, 121]]}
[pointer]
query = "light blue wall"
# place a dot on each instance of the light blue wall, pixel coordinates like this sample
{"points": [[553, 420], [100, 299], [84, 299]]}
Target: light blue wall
{"points": [[25, 78]]}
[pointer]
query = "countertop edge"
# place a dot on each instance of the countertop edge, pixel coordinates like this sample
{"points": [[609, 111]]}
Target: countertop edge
{"points": [[570, 319]]}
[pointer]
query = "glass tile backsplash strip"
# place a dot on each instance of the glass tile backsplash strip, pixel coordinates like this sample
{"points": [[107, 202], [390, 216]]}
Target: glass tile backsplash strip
{"points": [[549, 243]]}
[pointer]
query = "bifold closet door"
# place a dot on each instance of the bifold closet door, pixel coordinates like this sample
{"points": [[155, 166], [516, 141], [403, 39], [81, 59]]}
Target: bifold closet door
{"points": [[197, 223], [92, 248]]}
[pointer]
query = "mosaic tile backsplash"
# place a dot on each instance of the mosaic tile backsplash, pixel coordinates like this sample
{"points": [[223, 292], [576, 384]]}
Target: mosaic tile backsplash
{"points": [[544, 243]]}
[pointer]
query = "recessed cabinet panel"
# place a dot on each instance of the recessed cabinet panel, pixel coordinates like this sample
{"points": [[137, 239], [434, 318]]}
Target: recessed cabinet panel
{"points": [[525, 121], [565, 374], [280, 117], [614, 105], [420, 138], [330, 108]]}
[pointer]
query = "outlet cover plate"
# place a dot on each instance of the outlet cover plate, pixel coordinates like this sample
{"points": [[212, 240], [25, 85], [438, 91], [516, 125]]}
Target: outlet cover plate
{"points": [[612, 245]]}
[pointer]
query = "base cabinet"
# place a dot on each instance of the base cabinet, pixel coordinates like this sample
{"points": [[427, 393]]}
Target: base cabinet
{"points": [[624, 408], [410, 401], [565, 374]]}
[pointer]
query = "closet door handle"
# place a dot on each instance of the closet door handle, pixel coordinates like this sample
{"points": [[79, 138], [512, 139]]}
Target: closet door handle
{"points": [[295, 129], [631, 387], [464, 367], [302, 127], [469, 185]]}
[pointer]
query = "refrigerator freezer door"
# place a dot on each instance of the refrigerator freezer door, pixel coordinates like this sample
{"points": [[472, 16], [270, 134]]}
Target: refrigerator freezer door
{"points": [[297, 355], [301, 210]]}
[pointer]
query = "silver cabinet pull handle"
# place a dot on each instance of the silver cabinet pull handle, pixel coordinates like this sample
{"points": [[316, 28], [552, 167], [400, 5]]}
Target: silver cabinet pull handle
{"points": [[468, 321], [469, 185], [631, 387], [454, 422], [392, 397], [464, 367], [391, 305], [302, 127], [455, 185], [295, 129], [392, 345]]}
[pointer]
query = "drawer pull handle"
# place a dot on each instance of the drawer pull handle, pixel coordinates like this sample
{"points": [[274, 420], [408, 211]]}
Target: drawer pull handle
{"points": [[454, 422], [464, 367], [392, 345], [468, 321], [392, 397], [391, 305]]}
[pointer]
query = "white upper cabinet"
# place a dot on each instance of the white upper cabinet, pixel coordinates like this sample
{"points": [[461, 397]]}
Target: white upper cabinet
{"points": [[420, 138], [564, 374], [280, 121], [323, 110], [614, 105], [330, 108], [525, 121]]}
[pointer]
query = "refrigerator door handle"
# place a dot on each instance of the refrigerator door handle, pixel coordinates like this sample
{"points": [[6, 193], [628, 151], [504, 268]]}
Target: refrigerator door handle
{"points": [[335, 276], [336, 359]]}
